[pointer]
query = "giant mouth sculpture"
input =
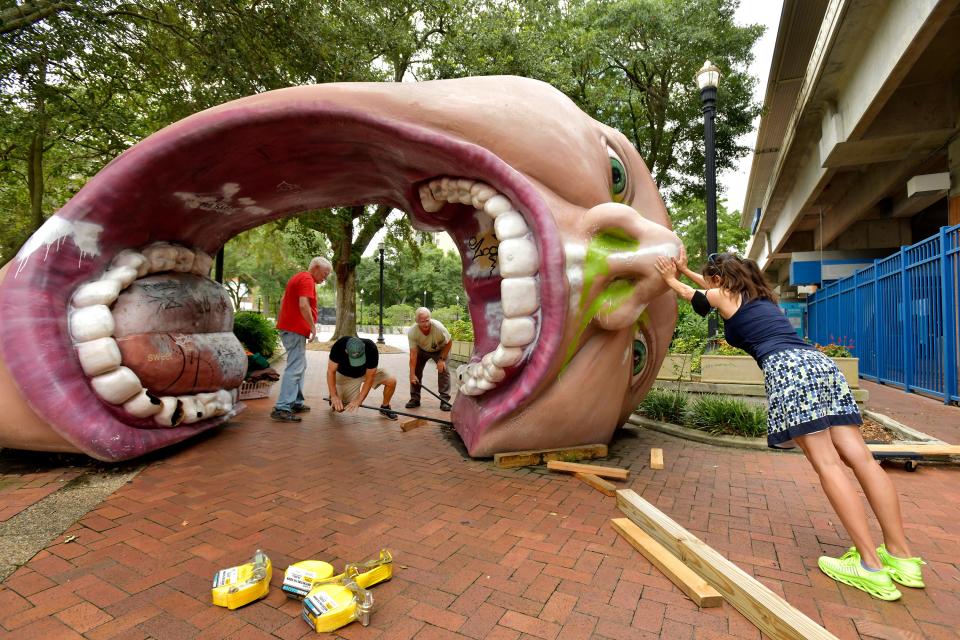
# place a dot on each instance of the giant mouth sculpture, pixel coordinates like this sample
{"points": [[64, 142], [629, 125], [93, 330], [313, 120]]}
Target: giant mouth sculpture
{"points": [[114, 342]]}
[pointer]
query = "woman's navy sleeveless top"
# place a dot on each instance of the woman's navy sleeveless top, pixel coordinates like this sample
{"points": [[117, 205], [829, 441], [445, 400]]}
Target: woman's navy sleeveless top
{"points": [[760, 328]]}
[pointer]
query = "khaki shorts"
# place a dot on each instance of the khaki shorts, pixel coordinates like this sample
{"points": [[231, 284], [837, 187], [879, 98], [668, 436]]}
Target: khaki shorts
{"points": [[349, 388]]}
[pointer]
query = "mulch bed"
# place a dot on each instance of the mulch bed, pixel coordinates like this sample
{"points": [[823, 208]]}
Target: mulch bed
{"points": [[874, 432]]}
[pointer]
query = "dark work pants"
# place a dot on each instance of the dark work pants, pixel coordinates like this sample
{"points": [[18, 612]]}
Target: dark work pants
{"points": [[443, 379]]}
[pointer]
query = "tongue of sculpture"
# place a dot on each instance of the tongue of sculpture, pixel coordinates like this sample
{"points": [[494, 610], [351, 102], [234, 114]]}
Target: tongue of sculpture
{"points": [[115, 342]]}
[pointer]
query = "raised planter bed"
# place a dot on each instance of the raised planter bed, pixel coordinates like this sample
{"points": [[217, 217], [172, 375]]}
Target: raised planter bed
{"points": [[675, 366], [743, 370], [461, 351]]}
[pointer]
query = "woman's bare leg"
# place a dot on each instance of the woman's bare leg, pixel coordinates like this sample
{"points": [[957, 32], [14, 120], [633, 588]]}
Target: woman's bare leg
{"points": [[877, 485], [826, 461]]}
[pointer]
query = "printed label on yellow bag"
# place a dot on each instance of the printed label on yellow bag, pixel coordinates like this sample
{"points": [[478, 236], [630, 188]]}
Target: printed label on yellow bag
{"points": [[226, 577], [320, 602], [298, 580]]}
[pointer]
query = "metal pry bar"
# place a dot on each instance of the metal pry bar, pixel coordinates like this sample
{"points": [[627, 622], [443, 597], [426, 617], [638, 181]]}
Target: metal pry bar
{"points": [[404, 413]]}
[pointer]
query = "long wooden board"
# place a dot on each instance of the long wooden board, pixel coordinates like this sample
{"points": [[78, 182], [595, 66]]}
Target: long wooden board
{"points": [[771, 614], [515, 459], [696, 588], [920, 449], [604, 472], [597, 483]]}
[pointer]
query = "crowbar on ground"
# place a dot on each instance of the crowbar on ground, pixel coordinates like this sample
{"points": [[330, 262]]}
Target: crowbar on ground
{"points": [[403, 413]]}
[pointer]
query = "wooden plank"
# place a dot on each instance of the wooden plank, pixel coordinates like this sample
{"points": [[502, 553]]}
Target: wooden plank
{"points": [[515, 459], [771, 614], [412, 423], [919, 449], [604, 472], [597, 483], [656, 458], [698, 589]]}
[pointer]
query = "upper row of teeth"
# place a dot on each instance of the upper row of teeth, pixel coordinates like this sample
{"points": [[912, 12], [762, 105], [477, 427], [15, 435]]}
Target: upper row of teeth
{"points": [[92, 327], [518, 262]]}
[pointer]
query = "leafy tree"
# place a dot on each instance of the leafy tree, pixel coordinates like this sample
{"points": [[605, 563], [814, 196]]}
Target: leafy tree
{"points": [[690, 224]]}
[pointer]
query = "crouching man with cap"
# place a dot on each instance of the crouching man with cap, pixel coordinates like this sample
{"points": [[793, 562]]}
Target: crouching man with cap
{"points": [[353, 371]]}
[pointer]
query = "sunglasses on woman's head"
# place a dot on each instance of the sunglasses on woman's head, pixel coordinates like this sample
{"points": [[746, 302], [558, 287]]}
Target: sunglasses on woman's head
{"points": [[712, 258]]}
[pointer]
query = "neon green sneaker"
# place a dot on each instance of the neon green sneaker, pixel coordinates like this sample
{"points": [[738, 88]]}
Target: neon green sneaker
{"points": [[847, 569], [906, 571]]}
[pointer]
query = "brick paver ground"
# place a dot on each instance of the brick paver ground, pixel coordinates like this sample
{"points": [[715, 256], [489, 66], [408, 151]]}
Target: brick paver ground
{"points": [[479, 552]]}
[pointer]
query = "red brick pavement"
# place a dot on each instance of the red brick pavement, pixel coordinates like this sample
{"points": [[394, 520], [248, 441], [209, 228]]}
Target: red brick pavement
{"points": [[924, 414], [480, 552]]}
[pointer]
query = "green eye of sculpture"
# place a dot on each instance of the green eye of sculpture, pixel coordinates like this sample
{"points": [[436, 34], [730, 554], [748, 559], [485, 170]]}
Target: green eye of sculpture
{"points": [[639, 356], [618, 177]]}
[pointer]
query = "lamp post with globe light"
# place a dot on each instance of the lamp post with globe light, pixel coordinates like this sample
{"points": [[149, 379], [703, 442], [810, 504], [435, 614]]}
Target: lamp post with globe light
{"points": [[708, 78], [380, 337]]}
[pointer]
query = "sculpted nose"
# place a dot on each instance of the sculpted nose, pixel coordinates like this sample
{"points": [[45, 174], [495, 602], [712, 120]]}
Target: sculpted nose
{"points": [[622, 248]]}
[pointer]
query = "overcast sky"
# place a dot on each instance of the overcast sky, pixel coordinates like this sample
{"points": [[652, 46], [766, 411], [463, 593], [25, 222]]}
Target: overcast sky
{"points": [[767, 13]]}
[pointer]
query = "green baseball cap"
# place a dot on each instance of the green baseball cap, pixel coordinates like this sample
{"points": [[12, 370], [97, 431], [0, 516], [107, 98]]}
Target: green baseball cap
{"points": [[356, 352]]}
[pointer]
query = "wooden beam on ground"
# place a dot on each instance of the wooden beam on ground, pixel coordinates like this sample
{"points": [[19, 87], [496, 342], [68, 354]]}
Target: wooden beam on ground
{"points": [[597, 483], [412, 423], [919, 449], [656, 458], [771, 614], [604, 472], [515, 459], [698, 589]]}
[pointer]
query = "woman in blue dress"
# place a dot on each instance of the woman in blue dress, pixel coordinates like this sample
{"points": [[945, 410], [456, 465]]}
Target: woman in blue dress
{"points": [[810, 406]]}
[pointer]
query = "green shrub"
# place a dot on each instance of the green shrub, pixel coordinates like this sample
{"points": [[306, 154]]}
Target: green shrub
{"points": [[461, 330], [255, 332], [724, 348], [664, 405], [448, 315], [720, 415], [398, 315]]}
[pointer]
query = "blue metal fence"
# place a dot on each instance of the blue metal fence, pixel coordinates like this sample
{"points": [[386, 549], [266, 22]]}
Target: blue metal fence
{"points": [[900, 316]]}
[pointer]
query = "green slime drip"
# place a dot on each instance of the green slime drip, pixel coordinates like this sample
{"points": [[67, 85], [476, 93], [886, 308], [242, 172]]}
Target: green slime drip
{"points": [[595, 264]]}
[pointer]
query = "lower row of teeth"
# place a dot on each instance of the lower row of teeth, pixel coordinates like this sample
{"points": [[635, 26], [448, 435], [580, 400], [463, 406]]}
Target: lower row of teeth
{"points": [[518, 263], [92, 327]]}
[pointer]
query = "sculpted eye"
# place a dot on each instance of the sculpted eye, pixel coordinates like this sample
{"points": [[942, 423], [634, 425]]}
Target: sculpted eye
{"points": [[618, 177], [639, 356]]}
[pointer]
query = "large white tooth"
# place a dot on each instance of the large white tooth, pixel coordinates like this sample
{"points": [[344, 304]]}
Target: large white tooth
{"points": [[506, 356], [510, 225], [225, 398], [470, 388], [192, 409], [484, 384], [185, 258], [90, 323], [171, 413], [143, 405], [202, 261], [117, 386], [428, 202], [131, 258], [496, 205], [517, 332], [461, 373], [480, 193], [162, 257], [465, 186], [436, 188], [449, 189], [99, 356], [518, 257], [494, 373], [98, 292], [575, 252], [519, 296], [124, 275]]}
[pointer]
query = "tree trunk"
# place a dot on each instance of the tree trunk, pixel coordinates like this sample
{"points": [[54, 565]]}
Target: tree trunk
{"points": [[346, 269], [35, 160]]}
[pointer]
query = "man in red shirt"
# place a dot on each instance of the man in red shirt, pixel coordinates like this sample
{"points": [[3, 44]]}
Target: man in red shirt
{"points": [[297, 324]]}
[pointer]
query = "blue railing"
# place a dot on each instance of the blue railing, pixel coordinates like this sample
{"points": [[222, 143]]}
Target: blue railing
{"points": [[900, 316]]}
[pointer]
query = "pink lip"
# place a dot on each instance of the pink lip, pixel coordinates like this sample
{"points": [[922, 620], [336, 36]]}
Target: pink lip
{"points": [[285, 156]]}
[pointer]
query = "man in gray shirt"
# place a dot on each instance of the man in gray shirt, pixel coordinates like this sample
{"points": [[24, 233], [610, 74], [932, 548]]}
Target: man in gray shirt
{"points": [[429, 340]]}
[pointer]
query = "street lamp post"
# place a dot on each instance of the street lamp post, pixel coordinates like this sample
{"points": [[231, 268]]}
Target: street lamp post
{"points": [[380, 337], [361, 306], [707, 80], [458, 307], [424, 298]]}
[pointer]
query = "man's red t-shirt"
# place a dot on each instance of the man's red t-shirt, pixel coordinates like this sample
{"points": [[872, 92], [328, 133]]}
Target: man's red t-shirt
{"points": [[290, 318]]}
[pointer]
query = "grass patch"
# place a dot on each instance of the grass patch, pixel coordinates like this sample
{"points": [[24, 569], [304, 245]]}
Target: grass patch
{"points": [[717, 415]]}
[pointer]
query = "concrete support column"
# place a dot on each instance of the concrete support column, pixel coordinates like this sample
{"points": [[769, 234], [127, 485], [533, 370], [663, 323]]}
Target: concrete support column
{"points": [[953, 199]]}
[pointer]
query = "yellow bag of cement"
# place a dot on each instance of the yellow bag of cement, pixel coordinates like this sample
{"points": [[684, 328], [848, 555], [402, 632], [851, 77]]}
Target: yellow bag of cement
{"points": [[336, 602], [237, 586]]}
